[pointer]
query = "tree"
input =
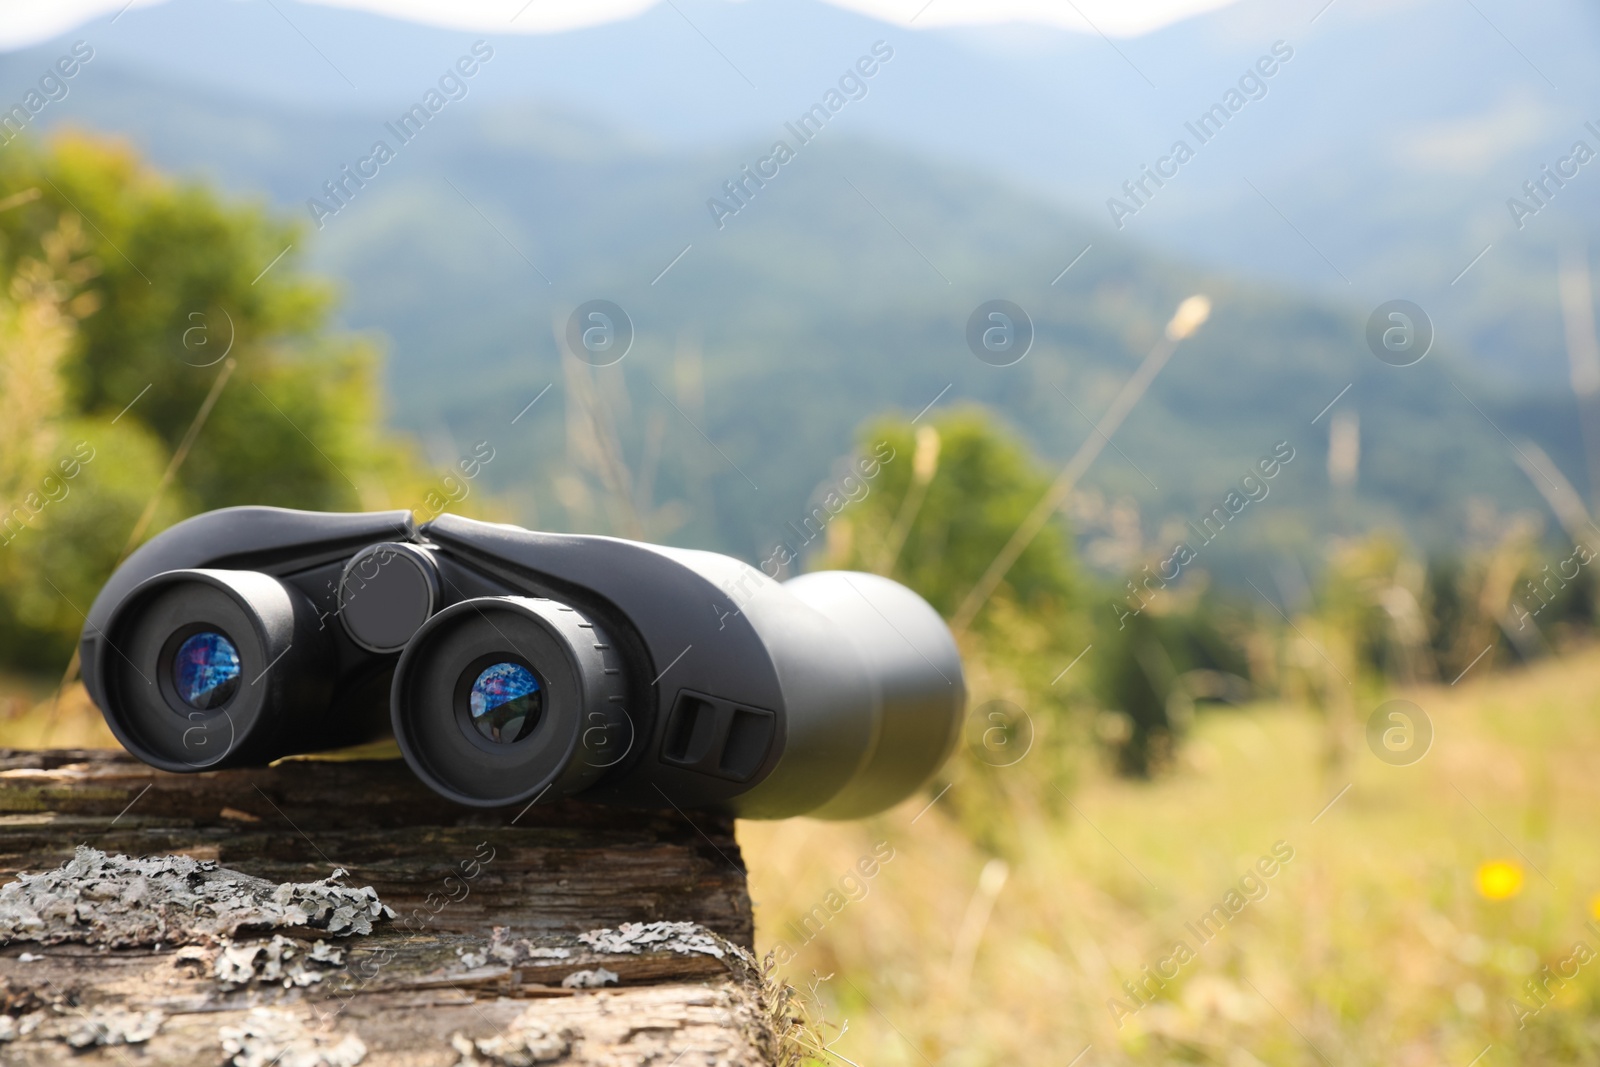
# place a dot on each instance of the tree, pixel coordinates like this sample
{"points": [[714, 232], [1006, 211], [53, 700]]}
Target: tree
{"points": [[943, 506], [943, 499], [124, 297]]}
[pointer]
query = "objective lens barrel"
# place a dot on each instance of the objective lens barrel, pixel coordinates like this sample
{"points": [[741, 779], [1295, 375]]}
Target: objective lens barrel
{"points": [[914, 670]]}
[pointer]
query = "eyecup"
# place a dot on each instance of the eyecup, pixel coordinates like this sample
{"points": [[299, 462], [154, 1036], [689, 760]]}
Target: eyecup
{"points": [[584, 728], [286, 670]]}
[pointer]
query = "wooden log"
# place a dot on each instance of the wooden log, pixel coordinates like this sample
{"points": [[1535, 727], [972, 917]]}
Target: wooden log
{"points": [[188, 919]]}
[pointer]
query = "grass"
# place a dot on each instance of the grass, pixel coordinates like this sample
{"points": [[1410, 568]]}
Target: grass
{"points": [[30, 717], [995, 925], [1373, 945]]}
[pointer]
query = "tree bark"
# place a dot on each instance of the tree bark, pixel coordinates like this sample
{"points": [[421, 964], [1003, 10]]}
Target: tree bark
{"points": [[559, 933]]}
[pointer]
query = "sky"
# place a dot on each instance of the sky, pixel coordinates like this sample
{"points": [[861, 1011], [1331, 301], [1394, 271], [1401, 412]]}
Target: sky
{"points": [[28, 22]]}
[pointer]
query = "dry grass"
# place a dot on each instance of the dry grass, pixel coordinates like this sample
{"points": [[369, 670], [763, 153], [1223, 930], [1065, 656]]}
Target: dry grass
{"points": [[1373, 944], [31, 718]]}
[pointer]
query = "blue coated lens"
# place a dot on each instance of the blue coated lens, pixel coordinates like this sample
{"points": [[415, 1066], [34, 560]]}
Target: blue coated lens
{"points": [[206, 670], [505, 702]]}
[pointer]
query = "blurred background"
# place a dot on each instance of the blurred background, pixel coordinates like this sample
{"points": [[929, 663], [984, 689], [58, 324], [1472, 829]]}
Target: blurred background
{"points": [[1319, 584]]}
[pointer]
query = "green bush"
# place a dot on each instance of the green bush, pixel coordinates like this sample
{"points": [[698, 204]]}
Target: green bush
{"points": [[125, 297]]}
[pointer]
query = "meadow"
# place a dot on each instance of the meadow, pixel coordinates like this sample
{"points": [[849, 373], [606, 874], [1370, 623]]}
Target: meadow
{"points": [[1419, 903], [1436, 914]]}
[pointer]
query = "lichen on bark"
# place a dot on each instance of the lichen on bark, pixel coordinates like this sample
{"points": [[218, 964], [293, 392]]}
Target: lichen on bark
{"points": [[120, 902]]}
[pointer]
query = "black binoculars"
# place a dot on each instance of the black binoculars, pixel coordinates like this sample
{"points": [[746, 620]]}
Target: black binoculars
{"points": [[515, 666]]}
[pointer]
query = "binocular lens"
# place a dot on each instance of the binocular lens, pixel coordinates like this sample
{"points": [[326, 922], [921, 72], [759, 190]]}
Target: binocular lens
{"points": [[506, 701], [498, 700], [206, 670], [179, 651]]}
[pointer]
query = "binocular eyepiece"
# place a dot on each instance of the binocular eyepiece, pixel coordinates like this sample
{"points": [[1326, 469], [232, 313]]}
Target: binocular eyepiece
{"points": [[515, 666]]}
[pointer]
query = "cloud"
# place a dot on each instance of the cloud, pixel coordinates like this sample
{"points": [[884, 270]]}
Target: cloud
{"points": [[29, 22], [1116, 18]]}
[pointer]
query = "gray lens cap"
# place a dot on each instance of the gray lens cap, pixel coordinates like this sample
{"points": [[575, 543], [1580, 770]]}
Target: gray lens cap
{"points": [[387, 591]]}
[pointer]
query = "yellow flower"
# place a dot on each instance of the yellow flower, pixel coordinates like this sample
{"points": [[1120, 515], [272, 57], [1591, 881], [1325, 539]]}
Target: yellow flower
{"points": [[1499, 880]]}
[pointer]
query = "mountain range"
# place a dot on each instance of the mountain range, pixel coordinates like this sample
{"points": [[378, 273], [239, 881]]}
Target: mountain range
{"points": [[1374, 163]]}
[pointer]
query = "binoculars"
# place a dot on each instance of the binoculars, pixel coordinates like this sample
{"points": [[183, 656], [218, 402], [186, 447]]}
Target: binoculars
{"points": [[514, 667]]}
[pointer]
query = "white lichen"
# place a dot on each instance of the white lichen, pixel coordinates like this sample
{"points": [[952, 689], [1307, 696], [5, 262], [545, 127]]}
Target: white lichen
{"points": [[13, 1027], [513, 950], [281, 960], [118, 901], [633, 938], [594, 979], [112, 1026], [80, 1028], [268, 1038], [527, 1041]]}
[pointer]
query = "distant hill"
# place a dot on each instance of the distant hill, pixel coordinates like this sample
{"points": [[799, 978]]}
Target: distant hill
{"points": [[840, 290], [1377, 165]]}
